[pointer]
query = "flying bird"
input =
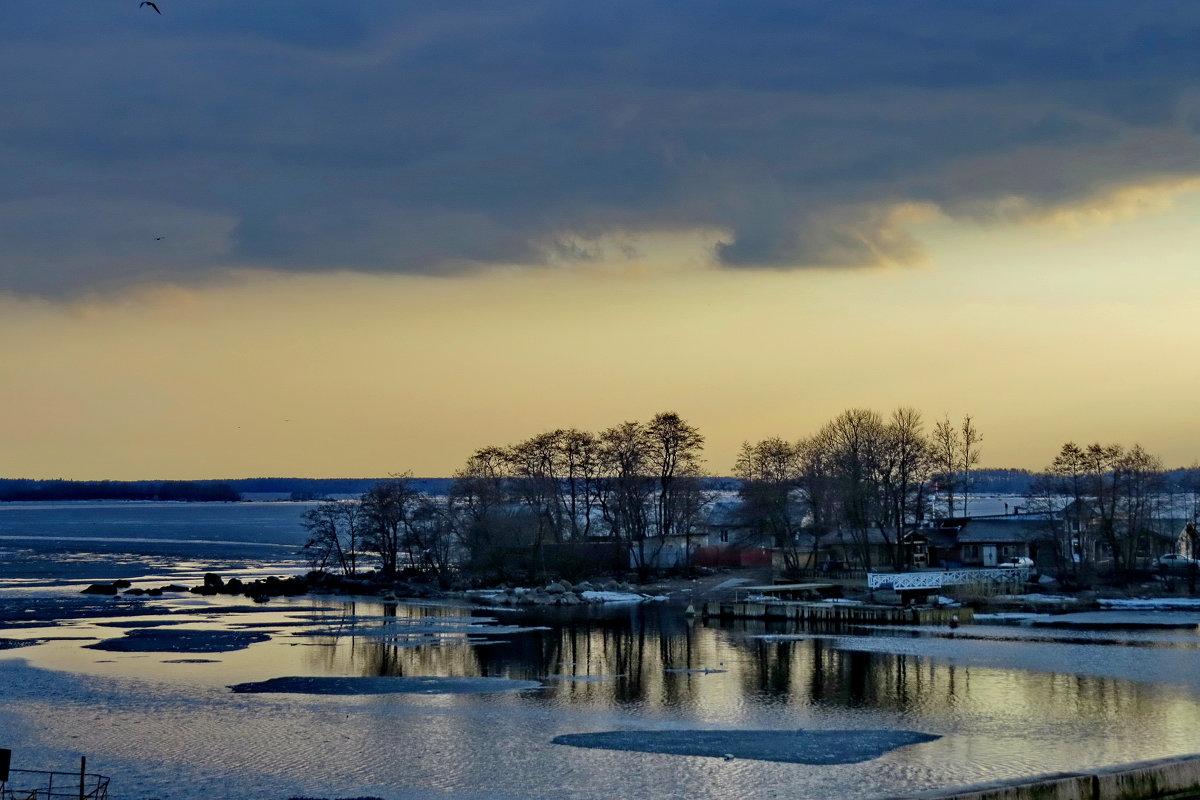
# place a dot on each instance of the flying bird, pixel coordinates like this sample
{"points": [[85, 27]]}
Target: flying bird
{"points": [[148, 3]]}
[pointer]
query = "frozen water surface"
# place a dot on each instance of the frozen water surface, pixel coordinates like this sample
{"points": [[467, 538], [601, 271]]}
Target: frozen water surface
{"points": [[994, 701], [179, 640]]}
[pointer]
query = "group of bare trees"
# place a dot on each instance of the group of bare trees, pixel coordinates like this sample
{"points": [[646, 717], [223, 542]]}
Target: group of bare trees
{"points": [[393, 524], [634, 483], [1111, 496], [860, 475], [864, 478], [637, 484]]}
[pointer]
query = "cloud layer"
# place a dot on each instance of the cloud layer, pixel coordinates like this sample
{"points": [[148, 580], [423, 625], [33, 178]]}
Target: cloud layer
{"points": [[383, 135]]}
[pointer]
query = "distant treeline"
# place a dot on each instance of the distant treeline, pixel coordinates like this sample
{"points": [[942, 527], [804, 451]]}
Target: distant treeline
{"points": [[988, 481], [26, 490], [317, 488], [20, 490]]}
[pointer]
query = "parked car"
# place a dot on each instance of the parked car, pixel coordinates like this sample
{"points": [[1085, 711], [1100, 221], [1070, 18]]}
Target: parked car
{"points": [[1016, 562], [1176, 562]]}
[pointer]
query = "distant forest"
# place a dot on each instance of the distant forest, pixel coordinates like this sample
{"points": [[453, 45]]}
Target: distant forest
{"points": [[191, 491], [986, 481]]}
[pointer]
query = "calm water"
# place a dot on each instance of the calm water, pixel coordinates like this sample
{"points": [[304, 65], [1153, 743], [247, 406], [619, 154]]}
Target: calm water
{"points": [[1006, 701]]}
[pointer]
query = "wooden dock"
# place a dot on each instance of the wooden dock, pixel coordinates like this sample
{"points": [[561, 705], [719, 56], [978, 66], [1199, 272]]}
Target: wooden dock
{"points": [[837, 613]]}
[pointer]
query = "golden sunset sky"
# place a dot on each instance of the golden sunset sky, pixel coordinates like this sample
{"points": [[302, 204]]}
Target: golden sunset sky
{"points": [[352, 247]]}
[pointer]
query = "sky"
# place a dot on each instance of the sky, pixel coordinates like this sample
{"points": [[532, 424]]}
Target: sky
{"points": [[307, 238]]}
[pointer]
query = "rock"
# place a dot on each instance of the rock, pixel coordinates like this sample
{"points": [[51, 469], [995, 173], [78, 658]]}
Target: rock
{"points": [[213, 580], [583, 586], [174, 587], [569, 599], [541, 599], [134, 592], [554, 588], [122, 584], [100, 588]]}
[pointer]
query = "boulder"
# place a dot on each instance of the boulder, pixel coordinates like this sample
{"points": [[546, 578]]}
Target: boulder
{"points": [[214, 580], [554, 588], [122, 584], [100, 588]]}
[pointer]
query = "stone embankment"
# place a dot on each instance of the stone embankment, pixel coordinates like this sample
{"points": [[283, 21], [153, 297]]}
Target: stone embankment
{"points": [[1176, 777]]}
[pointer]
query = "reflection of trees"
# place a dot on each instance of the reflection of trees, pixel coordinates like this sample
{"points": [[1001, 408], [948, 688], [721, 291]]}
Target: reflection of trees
{"points": [[642, 656]]}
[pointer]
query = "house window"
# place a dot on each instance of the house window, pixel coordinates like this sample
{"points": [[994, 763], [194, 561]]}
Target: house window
{"points": [[724, 536], [970, 552], [1010, 550]]}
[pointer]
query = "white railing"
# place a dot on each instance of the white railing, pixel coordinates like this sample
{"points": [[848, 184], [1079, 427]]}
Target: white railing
{"points": [[900, 581]]}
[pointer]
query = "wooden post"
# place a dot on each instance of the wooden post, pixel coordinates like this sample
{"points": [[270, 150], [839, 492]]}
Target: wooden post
{"points": [[82, 772]]}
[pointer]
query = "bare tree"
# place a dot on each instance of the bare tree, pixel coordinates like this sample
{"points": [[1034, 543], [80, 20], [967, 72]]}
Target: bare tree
{"points": [[672, 450], [334, 535], [820, 489], [856, 436], [535, 482], [430, 538], [579, 453], [687, 510], [627, 489], [905, 462], [969, 440], [947, 444], [478, 504], [769, 473], [388, 509], [1109, 495]]}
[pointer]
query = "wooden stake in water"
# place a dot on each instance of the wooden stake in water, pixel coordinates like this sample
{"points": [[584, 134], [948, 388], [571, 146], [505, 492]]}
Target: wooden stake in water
{"points": [[82, 771]]}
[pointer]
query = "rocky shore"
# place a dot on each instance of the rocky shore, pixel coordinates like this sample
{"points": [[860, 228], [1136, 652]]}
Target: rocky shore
{"points": [[553, 593]]}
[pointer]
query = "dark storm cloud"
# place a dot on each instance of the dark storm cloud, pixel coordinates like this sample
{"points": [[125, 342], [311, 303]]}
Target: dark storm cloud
{"points": [[392, 136]]}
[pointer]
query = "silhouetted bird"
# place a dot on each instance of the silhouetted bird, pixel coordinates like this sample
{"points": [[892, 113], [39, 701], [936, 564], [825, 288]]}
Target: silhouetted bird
{"points": [[148, 3], [158, 238]]}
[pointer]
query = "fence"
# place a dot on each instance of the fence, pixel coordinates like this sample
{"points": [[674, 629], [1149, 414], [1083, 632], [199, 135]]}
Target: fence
{"points": [[34, 784], [916, 581]]}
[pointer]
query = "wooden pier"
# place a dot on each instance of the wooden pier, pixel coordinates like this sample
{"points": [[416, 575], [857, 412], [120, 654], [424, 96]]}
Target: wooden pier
{"points": [[837, 613]]}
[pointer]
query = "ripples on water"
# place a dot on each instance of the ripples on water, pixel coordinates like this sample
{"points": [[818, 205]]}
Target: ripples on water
{"points": [[1002, 707], [1006, 701]]}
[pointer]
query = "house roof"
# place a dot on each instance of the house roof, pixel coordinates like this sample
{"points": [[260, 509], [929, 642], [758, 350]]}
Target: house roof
{"points": [[1003, 530]]}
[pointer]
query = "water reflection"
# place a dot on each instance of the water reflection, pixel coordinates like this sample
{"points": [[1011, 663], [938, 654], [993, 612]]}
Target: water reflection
{"points": [[1002, 706], [654, 659]]}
